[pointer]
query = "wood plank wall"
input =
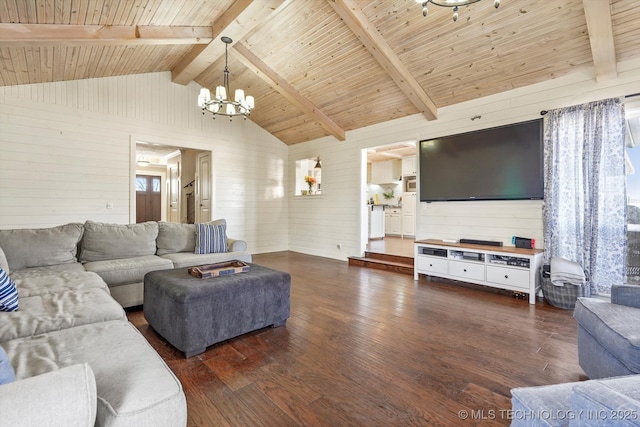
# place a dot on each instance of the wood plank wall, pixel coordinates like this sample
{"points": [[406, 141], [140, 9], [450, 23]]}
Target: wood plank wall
{"points": [[65, 152], [319, 225], [86, 125]]}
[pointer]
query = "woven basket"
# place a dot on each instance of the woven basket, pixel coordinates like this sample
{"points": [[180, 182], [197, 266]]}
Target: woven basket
{"points": [[563, 296]]}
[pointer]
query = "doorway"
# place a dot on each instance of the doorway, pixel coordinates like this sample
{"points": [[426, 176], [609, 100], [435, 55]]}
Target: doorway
{"points": [[185, 196], [387, 168], [148, 198]]}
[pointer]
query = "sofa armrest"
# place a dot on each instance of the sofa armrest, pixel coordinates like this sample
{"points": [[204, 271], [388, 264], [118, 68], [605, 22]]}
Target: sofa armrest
{"points": [[234, 245], [67, 395], [628, 295]]}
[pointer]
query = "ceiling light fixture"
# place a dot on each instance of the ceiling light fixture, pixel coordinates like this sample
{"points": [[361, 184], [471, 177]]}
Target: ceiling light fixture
{"points": [[451, 3], [220, 105], [318, 165], [142, 162]]}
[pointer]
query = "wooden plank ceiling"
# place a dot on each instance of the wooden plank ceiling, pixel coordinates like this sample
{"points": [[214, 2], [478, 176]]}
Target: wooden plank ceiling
{"points": [[321, 67]]}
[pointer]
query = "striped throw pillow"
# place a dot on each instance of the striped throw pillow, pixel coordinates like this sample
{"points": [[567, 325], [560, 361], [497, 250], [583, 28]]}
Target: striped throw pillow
{"points": [[8, 293], [211, 238]]}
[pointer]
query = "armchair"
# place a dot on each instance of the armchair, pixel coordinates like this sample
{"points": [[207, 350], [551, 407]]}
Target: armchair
{"points": [[609, 333]]}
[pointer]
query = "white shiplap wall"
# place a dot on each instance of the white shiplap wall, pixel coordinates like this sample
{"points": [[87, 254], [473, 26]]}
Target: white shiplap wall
{"points": [[317, 226], [65, 151]]}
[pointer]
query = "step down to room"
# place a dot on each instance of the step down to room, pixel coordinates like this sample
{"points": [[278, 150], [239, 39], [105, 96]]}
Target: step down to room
{"points": [[396, 263]]}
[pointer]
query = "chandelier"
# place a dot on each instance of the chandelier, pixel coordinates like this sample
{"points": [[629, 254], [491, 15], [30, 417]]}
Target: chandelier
{"points": [[451, 3], [220, 105]]}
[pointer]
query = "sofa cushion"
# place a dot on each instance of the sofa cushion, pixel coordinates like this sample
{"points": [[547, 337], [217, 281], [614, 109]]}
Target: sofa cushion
{"points": [[134, 385], [211, 238], [3, 262], [609, 402], [615, 327], [183, 259], [8, 293], [37, 247], [115, 241], [7, 375], [531, 406], [49, 270], [128, 270], [174, 237], [40, 314], [30, 285], [66, 397]]}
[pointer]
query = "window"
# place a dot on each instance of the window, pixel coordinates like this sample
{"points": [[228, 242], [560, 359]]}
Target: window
{"points": [[632, 112], [308, 177]]}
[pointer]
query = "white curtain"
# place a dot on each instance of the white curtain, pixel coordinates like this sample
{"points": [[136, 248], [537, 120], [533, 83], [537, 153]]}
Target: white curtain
{"points": [[585, 190]]}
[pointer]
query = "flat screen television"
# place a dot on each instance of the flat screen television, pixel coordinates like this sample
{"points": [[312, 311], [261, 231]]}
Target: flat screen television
{"points": [[501, 163]]}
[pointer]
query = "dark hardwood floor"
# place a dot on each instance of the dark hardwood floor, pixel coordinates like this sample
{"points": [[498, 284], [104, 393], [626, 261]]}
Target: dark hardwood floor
{"points": [[374, 348]]}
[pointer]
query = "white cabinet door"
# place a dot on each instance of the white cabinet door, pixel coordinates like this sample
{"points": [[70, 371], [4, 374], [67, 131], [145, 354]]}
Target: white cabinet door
{"points": [[409, 165], [409, 214], [385, 172], [393, 221]]}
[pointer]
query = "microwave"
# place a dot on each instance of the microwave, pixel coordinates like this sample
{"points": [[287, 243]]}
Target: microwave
{"points": [[410, 185]]}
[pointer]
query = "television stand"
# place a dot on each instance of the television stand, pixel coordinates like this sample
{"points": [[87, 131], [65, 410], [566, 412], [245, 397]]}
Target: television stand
{"points": [[503, 267]]}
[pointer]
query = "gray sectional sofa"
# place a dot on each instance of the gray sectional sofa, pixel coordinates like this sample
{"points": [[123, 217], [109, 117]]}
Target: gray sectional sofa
{"points": [[609, 353], [77, 361]]}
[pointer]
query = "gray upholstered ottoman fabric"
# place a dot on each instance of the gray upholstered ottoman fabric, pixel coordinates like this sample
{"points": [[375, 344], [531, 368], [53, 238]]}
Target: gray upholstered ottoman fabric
{"points": [[193, 313], [615, 329], [135, 387]]}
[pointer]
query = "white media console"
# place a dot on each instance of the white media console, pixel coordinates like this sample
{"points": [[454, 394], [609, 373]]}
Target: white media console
{"points": [[503, 267]]}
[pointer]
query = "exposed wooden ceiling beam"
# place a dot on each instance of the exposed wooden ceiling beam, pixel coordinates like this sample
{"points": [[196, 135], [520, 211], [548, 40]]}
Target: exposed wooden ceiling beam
{"points": [[256, 65], [242, 17], [351, 14], [57, 34], [603, 51]]}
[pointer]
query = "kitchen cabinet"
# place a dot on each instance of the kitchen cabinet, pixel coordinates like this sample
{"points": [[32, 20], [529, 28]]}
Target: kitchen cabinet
{"points": [[393, 221], [376, 221], [386, 172], [409, 214], [409, 165]]}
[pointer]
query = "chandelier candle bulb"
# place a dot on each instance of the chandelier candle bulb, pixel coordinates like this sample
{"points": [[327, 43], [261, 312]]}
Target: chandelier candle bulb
{"points": [[221, 93], [239, 96], [221, 105], [451, 3]]}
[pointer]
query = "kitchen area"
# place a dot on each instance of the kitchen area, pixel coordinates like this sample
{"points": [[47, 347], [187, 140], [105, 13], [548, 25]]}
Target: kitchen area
{"points": [[391, 191]]}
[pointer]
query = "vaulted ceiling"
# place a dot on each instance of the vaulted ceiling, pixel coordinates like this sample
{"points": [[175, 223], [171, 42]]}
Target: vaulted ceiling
{"points": [[321, 67]]}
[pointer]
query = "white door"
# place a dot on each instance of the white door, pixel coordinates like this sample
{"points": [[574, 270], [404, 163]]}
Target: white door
{"points": [[174, 192], [203, 187]]}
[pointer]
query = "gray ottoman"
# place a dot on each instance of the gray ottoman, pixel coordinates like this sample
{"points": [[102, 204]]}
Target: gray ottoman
{"points": [[193, 313]]}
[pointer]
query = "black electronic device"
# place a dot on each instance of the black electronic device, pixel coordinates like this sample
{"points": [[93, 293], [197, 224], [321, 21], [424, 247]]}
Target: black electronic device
{"points": [[501, 163], [434, 252], [473, 256], [481, 242], [524, 243]]}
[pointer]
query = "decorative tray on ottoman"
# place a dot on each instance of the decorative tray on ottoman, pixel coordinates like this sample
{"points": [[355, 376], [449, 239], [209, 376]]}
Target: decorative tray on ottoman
{"points": [[219, 269]]}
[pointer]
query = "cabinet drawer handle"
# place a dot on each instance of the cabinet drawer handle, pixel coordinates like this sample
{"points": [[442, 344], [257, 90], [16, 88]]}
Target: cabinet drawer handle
{"points": [[465, 270], [430, 265], [506, 277]]}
